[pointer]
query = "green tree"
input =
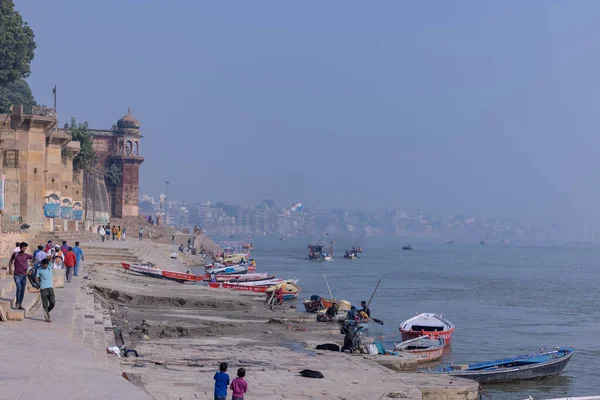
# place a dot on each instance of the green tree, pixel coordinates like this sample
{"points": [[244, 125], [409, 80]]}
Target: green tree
{"points": [[16, 44], [15, 93], [87, 156], [113, 174]]}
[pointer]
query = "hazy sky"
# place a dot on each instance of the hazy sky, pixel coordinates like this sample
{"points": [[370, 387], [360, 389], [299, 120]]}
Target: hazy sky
{"points": [[473, 107]]}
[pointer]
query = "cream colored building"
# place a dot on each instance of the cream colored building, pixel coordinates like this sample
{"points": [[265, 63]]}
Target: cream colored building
{"points": [[36, 160]]}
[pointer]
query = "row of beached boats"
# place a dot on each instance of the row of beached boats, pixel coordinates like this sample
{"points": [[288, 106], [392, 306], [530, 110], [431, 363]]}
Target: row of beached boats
{"points": [[219, 276]]}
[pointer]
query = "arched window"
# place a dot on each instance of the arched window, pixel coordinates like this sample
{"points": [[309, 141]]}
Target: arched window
{"points": [[128, 147], [137, 148]]}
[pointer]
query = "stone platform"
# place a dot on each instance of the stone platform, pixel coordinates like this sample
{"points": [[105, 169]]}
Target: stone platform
{"points": [[50, 361]]}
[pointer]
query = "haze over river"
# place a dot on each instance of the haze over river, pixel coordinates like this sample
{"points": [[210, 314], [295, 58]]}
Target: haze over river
{"points": [[504, 300]]}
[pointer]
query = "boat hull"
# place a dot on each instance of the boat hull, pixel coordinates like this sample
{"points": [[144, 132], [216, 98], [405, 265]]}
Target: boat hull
{"points": [[162, 274], [312, 306], [433, 352], [446, 335], [502, 375]]}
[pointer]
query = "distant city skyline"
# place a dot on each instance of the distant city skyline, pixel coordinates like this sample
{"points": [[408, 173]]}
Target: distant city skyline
{"points": [[459, 107]]}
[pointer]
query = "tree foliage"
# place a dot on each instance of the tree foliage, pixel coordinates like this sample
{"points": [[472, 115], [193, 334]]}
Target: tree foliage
{"points": [[14, 94], [87, 156], [16, 44], [113, 174]]}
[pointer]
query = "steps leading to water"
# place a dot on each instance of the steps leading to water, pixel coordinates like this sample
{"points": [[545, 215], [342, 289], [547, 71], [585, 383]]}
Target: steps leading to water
{"points": [[31, 300]]}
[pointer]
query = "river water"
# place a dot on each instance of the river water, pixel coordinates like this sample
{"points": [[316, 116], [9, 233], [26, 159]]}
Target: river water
{"points": [[504, 300]]}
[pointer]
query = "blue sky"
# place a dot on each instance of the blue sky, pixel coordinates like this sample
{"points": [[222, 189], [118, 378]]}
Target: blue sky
{"points": [[480, 108]]}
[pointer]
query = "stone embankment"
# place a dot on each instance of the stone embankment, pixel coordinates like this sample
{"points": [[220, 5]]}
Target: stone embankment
{"points": [[181, 333]]}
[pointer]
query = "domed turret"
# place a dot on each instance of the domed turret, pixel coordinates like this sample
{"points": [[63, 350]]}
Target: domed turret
{"points": [[128, 124]]}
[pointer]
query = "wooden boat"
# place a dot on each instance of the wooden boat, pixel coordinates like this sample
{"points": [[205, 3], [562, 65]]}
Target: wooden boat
{"points": [[409, 247], [425, 348], [152, 271], [317, 303], [252, 286], [240, 277], [290, 290], [427, 324], [545, 363], [234, 269]]}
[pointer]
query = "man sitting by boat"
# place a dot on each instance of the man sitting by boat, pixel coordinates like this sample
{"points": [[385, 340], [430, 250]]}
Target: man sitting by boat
{"points": [[331, 312]]}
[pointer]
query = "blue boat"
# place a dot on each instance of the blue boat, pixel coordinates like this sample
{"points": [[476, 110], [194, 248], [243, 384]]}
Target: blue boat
{"points": [[545, 363]]}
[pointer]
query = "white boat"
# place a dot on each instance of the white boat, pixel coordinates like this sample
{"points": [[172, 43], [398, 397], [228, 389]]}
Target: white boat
{"points": [[427, 324], [268, 282], [234, 269]]}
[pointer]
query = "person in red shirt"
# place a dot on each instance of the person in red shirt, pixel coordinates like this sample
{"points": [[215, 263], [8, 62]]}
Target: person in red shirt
{"points": [[70, 262]]}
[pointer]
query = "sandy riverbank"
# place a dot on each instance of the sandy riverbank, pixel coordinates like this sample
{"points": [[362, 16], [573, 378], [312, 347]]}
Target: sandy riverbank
{"points": [[183, 331]]}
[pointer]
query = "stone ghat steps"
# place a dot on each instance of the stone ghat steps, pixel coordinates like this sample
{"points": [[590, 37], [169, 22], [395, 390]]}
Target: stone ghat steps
{"points": [[31, 300], [92, 326]]}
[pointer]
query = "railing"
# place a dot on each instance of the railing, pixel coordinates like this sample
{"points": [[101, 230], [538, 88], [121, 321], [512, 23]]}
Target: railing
{"points": [[41, 111]]}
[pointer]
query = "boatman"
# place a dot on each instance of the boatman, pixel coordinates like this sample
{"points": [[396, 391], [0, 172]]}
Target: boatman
{"points": [[365, 309]]}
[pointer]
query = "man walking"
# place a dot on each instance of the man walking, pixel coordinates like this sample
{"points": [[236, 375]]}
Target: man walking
{"points": [[114, 232], [70, 262], [64, 247], [141, 234], [20, 261], [44, 276], [39, 256], [48, 247], [79, 255]]}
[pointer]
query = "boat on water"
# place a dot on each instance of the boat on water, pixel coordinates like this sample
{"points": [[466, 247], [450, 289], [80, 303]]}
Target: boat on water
{"points": [[425, 348], [317, 252], [154, 272], [545, 363], [427, 324], [316, 304], [407, 247], [483, 241], [450, 241], [351, 254]]}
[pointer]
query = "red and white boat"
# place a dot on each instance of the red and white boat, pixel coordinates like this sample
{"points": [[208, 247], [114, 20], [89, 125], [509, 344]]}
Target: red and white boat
{"points": [[427, 324], [152, 271], [257, 287]]}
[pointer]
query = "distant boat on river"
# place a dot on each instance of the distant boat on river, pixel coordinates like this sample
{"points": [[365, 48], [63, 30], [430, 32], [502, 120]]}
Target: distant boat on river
{"points": [[407, 247]]}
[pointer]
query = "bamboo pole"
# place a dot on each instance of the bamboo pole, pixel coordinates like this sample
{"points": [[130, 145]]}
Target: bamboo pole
{"points": [[369, 303], [327, 283]]}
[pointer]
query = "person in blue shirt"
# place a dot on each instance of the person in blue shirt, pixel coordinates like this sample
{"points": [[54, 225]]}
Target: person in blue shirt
{"points": [[221, 382], [79, 254], [44, 276]]}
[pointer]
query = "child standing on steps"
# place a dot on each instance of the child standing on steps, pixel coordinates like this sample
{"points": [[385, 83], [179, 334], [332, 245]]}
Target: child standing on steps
{"points": [[221, 382], [239, 386]]}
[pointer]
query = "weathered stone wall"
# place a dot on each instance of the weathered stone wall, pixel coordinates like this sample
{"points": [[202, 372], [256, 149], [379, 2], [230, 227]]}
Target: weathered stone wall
{"points": [[7, 244]]}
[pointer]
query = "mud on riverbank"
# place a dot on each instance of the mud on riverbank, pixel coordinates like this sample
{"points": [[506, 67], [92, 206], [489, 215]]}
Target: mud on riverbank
{"points": [[183, 331]]}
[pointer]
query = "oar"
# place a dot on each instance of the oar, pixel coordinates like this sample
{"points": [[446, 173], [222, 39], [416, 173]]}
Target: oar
{"points": [[377, 321], [327, 283], [369, 303]]}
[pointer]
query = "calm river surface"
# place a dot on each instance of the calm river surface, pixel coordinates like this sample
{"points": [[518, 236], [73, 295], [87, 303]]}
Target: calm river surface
{"points": [[504, 300]]}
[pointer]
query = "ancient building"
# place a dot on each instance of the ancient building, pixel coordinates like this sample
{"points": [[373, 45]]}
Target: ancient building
{"points": [[36, 165], [120, 148]]}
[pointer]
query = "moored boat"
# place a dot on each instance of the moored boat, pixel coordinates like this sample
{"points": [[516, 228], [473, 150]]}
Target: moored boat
{"points": [[317, 303], [407, 247], [290, 290], [531, 366], [152, 271], [427, 324], [425, 348], [234, 270]]}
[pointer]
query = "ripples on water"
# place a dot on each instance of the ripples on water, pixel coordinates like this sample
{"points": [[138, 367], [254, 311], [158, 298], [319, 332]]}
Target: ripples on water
{"points": [[504, 300]]}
